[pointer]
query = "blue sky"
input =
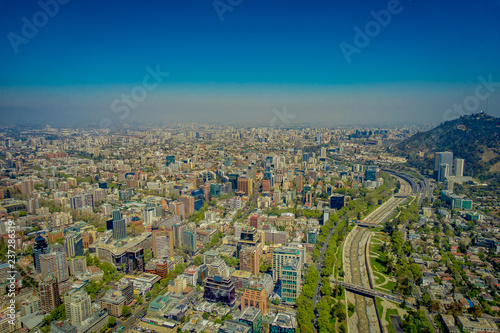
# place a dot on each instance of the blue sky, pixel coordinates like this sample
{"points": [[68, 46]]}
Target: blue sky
{"points": [[262, 55]]}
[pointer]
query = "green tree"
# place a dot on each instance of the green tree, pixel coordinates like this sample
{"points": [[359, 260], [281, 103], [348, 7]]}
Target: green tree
{"points": [[126, 311], [111, 321]]}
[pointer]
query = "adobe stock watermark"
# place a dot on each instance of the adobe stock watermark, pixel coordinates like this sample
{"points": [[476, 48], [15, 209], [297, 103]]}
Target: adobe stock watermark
{"points": [[483, 91], [29, 29], [138, 94], [223, 6], [372, 29], [282, 116]]}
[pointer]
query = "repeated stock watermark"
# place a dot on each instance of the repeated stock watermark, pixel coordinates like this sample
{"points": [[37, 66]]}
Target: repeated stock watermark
{"points": [[137, 94], [372, 29], [281, 118], [471, 103], [223, 6], [29, 29]]}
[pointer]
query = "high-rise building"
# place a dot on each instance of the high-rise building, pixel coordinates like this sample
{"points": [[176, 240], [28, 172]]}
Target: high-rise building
{"points": [[280, 257], [323, 152], [459, 167], [126, 289], [163, 243], [188, 202], [40, 247], [220, 289], [32, 205], [305, 157], [309, 199], [149, 214], [27, 186], [49, 294], [198, 196], [77, 265], [337, 201], [135, 259], [256, 296], [189, 239], [245, 185], [117, 215], [252, 316], [82, 201], [266, 185], [73, 244], [442, 158], [178, 231], [54, 263], [291, 282], [254, 221], [299, 183], [119, 231], [249, 259], [215, 190], [372, 173], [312, 236], [77, 305], [444, 172]]}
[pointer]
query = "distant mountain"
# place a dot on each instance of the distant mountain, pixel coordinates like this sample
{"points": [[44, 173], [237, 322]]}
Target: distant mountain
{"points": [[475, 138]]}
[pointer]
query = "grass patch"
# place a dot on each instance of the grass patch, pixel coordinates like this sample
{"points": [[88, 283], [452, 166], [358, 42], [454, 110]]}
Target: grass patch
{"points": [[379, 278], [389, 285], [388, 314], [377, 266]]}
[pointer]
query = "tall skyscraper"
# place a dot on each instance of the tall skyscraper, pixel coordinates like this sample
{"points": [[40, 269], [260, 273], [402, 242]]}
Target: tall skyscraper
{"points": [[135, 259], [442, 158], [189, 239], [444, 171], [249, 259], [305, 157], [54, 263], [40, 247], [117, 215], [119, 231], [77, 305], [282, 254], [459, 167], [163, 243], [27, 187], [149, 214], [73, 244], [82, 201], [188, 202], [49, 294], [245, 185], [337, 201]]}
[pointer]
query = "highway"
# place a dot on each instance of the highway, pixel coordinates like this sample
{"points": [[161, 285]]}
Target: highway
{"points": [[385, 211], [356, 261], [356, 273]]}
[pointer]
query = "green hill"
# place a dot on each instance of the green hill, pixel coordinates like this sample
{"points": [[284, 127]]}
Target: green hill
{"points": [[475, 138]]}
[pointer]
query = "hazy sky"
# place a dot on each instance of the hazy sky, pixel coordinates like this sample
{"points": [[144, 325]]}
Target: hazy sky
{"points": [[328, 61]]}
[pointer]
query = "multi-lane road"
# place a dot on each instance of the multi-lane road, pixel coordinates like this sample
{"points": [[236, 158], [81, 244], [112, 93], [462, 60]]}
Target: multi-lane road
{"points": [[356, 259]]}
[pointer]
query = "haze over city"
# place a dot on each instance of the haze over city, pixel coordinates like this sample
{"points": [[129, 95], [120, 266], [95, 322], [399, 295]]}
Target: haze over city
{"points": [[325, 61]]}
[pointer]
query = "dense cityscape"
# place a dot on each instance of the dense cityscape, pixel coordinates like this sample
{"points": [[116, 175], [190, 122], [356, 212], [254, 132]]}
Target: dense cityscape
{"points": [[236, 166], [205, 228]]}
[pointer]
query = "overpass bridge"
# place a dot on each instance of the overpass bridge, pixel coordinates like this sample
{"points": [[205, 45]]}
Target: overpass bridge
{"points": [[370, 292]]}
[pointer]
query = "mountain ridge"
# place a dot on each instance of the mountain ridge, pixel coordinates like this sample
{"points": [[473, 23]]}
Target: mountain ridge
{"points": [[475, 138]]}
